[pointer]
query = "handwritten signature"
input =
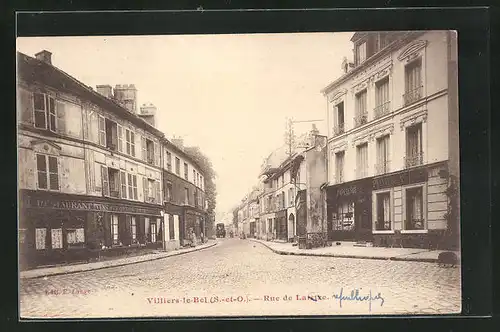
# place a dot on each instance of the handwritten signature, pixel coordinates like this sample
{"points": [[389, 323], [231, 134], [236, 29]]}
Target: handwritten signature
{"points": [[355, 296]]}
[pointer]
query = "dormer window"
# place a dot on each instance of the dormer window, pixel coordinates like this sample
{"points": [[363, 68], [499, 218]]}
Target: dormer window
{"points": [[360, 52]]}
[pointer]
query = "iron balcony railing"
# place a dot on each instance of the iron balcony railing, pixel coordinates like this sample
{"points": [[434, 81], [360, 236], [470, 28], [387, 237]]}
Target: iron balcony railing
{"points": [[339, 129], [383, 225], [412, 96], [382, 167], [414, 224], [360, 119], [382, 109], [414, 160]]}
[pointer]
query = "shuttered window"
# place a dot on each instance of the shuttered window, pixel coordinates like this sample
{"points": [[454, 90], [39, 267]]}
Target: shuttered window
{"points": [[123, 182], [48, 172], [120, 138], [102, 130], [40, 110], [105, 181]]}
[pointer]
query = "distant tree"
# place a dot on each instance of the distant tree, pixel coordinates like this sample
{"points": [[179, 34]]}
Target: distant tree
{"points": [[209, 176]]}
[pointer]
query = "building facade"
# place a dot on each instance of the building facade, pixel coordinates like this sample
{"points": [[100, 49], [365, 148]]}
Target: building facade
{"points": [[90, 168], [393, 114]]}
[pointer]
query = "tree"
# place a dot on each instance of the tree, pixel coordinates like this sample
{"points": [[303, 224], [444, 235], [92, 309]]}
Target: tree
{"points": [[209, 176]]}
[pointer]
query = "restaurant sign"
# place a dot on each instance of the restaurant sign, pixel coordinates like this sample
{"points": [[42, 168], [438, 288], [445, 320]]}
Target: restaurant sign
{"points": [[87, 206], [401, 179]]}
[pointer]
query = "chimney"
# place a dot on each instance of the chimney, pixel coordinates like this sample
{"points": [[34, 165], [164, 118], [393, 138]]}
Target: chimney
{"points": [[126, 95], [44, 56], [179, 142], [106, 90], [148, 113]]}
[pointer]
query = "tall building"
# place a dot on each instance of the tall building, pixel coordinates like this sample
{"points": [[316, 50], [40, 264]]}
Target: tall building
{"points": [[393, 140]]}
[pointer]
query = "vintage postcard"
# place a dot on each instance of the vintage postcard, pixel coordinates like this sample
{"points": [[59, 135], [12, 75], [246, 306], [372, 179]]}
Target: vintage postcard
{"points": [[238, 175]]}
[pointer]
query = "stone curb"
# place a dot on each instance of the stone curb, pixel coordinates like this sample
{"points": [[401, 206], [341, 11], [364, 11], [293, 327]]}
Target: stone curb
{"points": [[117, 265], [393, 258]]}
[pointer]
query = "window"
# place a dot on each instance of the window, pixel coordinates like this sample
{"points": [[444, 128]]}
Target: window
{"points": [[283, 200], [75, 237], [102, 130], [291, 196], [195, 196], [114, 182], [361, 114], [194, 178], [186, 171], [151, 190], [130, 142], [120, 138], [40, 238], [413, 82], [48, 177], [150, 152], [186, 196], [339, 119], [362, 160], [383, 221], [169, 192], [382, 97], [56, 237], [414, 152], [177, 166], [114, 229], [360, 53], [45, 111], [123, 182], [111, 135], [343, 220], [339, 166], [169, 161], [414, 209], [171, 227], [133, 229], [132, 186], [382, 165]]}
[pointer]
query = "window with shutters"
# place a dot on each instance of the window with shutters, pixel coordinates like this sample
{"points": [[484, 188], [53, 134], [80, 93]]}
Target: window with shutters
{"points": [[382, 101], [114, 182], [413, 82], [150, 152], [111, 130], [339, 167], [132, 186], [123, 183], [158, 192], [44, 111], [47, 172], [414, 154], [186, 171], [361, 114], [169, 161], [362, 161], [414, 209], [120, 138], [102, 130], [105, 181], [152, 189], [130, 142], [177, 166], [360, 53], [382, 165]]}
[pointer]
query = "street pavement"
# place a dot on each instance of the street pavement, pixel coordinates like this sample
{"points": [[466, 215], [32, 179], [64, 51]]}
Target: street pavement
{"points": [[244, 278]]}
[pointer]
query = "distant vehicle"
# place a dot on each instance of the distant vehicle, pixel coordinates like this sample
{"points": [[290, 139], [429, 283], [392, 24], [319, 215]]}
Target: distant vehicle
{"points": [[220, 230]]}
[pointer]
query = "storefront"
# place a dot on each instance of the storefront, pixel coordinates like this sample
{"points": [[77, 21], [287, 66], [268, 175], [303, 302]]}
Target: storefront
{"points": [[57, 228], [349, 211], [193, 219], [409, 207]]}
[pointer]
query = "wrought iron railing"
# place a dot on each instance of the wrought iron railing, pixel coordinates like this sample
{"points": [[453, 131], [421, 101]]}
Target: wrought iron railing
{"points": [[360, 119], [382, 167], [382, 109], [414, 160], [383, 225], [414, 224], [413, 95], [339, 129]]}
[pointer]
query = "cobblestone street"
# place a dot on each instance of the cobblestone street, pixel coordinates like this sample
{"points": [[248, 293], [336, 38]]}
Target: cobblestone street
{"points": [[240, 277]]}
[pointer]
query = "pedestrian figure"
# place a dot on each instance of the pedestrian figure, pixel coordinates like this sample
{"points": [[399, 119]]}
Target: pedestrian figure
{"points": [[202, 237], [193, 238]]}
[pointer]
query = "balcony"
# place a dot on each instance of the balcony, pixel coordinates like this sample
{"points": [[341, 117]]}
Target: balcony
{"points": [[361, 173], [382, 109], [360, 119], [383, 225], [339, 129], [382, 167], [414, 160], [412, 96]]}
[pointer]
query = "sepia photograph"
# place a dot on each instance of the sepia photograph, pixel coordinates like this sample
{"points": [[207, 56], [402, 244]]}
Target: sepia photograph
{"points": [[238, 175]]}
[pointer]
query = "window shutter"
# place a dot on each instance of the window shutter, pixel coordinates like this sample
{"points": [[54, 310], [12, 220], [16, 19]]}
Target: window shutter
{"points": [[123, 184], [158, 198], [105, 181], [157, 154], [145, 188], [102, 131], [25, 106], [143, 146], [120, 138], [61, 117]]}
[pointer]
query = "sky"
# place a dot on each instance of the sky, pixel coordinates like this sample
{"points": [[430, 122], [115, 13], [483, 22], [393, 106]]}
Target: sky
{"points": [[228, 94]]}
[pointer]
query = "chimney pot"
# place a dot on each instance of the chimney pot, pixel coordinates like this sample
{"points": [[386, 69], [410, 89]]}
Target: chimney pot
{"points": [[44, 56], [105, 89]]}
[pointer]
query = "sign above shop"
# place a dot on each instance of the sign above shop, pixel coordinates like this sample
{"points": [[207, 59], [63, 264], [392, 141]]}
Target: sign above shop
{"points": [[401, 179]]}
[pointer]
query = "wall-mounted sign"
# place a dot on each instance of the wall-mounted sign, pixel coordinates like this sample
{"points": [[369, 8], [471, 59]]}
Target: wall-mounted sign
{"points": [[401, 179]]}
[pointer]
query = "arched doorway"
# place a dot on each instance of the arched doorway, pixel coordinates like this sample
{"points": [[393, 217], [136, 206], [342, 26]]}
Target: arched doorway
{"points": [[291, 226]]}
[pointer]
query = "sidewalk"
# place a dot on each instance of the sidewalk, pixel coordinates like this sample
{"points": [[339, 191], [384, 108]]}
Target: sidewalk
{"points": [[67, 269], [348, 250]]}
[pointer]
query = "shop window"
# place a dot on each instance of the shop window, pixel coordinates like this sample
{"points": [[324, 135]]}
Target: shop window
{"points": [[114, 230], [130, 142], [414, 209], [343, 220], [45, 112], [171, 227], [177, 166], [75, 237], [40, 238], [57, 238], [153, 232], [133, 229], [48, 172], [186, 171], [383, 212]]}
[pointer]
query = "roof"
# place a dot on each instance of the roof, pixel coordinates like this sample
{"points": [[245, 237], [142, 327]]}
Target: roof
{"points": [[33, 70]]}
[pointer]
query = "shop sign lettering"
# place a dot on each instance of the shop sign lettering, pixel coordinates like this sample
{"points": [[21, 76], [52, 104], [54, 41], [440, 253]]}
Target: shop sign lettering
{"points": [[88, 206], [352, 190], [399, 179]]}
